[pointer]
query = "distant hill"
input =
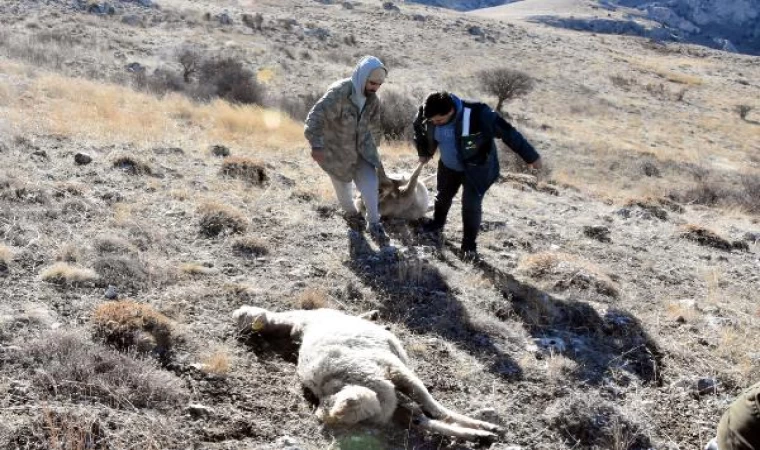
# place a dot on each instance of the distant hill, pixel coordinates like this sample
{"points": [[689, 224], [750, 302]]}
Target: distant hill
{"points": [[462, 5], [731, 26]]}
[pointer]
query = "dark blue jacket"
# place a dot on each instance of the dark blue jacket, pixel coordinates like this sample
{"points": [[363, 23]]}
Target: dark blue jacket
{"points": [[476, 151]]}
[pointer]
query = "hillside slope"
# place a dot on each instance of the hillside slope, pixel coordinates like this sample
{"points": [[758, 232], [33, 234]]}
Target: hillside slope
{"points": [[616, 306]]}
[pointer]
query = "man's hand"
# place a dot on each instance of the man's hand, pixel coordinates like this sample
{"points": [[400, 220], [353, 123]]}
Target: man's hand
{"points": [[424, 159], [317, 154], [537, 164]]}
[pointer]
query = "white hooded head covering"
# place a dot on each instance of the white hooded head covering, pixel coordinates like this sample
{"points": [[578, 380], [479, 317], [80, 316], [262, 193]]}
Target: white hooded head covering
{"points": [[368, 68]]}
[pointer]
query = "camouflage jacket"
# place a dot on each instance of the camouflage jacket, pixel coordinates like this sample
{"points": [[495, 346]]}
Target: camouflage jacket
{"points": [[335, 125]]}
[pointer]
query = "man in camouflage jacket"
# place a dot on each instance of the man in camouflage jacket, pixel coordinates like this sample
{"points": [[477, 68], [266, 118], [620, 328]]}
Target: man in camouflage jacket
{"points": [[343, 131]]}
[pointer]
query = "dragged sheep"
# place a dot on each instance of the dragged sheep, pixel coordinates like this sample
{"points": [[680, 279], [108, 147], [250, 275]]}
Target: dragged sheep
{"points": [[402, 197], [357, 369]]}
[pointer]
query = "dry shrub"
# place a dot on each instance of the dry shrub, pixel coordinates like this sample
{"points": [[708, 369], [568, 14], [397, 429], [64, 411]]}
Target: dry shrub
{"points": [[656, 206], [397, 111], [65, 274], [112, 245], [197, 269], [591, 422], [251, 247], [217, 363], [68, 365], [227, 78], [570, 272], [132, 165], [707, 237], [505, 84], [248, 169], [312, 298], [217, 218], [121, 271], [127, 324]]}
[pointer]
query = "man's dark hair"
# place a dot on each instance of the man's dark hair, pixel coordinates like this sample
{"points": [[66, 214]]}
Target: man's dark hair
{"points": [[438, 104]]}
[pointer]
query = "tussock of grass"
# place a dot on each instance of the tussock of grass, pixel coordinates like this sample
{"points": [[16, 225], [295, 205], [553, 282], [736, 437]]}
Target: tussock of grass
{"points": [[62, 273], [128, 324], [132, 165], [656, 206], [570, 272], [112, 245], [68, 365], [217, 363], [217, 218], [122, 271], [312, 298], [251, 247], [707, 237], [196, 269], [244, 168], [6, 256]]}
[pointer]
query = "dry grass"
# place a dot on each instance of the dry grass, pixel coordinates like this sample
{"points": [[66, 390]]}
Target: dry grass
{"points": [[217, 218], [128, 324], [707, 237], [217, 363], [6, 256], [105, 113], [197, 269], [244, 168], [569, 271], [62, 273], [106, 245], [312, 298], [132, 165]]}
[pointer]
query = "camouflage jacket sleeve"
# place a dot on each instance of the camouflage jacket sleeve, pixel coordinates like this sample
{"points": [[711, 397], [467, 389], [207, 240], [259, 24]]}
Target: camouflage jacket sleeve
{"points": [[375, 127], [326, 109]]}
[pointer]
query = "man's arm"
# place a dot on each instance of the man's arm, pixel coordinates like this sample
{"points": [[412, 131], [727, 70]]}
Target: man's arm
{"points": [[321, 112], [421, 139], [514, 140]]}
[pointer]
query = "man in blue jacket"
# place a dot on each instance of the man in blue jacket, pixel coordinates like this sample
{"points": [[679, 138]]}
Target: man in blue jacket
{"points": [[464, 132]]}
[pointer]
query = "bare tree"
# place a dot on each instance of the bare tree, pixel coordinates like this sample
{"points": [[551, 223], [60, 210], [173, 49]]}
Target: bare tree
{"points": [[189, 59], [505, 84]]}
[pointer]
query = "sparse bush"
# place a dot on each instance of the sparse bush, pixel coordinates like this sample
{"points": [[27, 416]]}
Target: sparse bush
{"points": [[396, 114], [132, 165], [569, 272], [217, 218], [253, 21], [121, 271], [707, 237], [251, 247], [298, 107], [505, 84], [228, 79], [62, 273], [129, 325], [248, 169], [743, 111], [189, 59], [68, 365], [113, 245], [312, 298]]}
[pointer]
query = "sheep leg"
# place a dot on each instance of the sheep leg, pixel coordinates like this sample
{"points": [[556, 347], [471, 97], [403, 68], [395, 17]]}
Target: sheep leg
{"points": [[407, 383], [414, 417]]}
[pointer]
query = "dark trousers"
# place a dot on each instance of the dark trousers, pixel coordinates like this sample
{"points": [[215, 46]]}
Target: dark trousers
{"points": [[449, 182], [739, 429]]}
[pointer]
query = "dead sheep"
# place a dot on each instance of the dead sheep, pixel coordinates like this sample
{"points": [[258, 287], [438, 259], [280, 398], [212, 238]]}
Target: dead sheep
{"points": [[357, 369], [402, 197]]}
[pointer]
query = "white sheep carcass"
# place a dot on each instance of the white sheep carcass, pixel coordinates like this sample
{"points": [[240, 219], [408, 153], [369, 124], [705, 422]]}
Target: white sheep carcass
{"points": [[401, 197], [356, 369]]}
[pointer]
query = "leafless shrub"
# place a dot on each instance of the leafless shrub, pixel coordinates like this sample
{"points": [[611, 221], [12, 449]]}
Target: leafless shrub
{"points": [[251, 247], [227, 78], [189, 59], [505, 84], [396, 114], [248, 169], [743, 111], [298, 107], [62, 273], [67, 365], [253, 21], [569, 272], [707, 237], [312, 298], [622, 82], [132, 165], [128, 325], [122, 271], [217, 218]]}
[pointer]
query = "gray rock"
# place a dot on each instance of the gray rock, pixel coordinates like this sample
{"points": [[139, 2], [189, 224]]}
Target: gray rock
{"points": [[112, 292], [198, 411], [224, 18], [82, 159], [599, 232], [752, 237], [135, 67], [390, 6], [348, 5], [220, 150], [476, 31], [419, 18], [707, 386]]}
